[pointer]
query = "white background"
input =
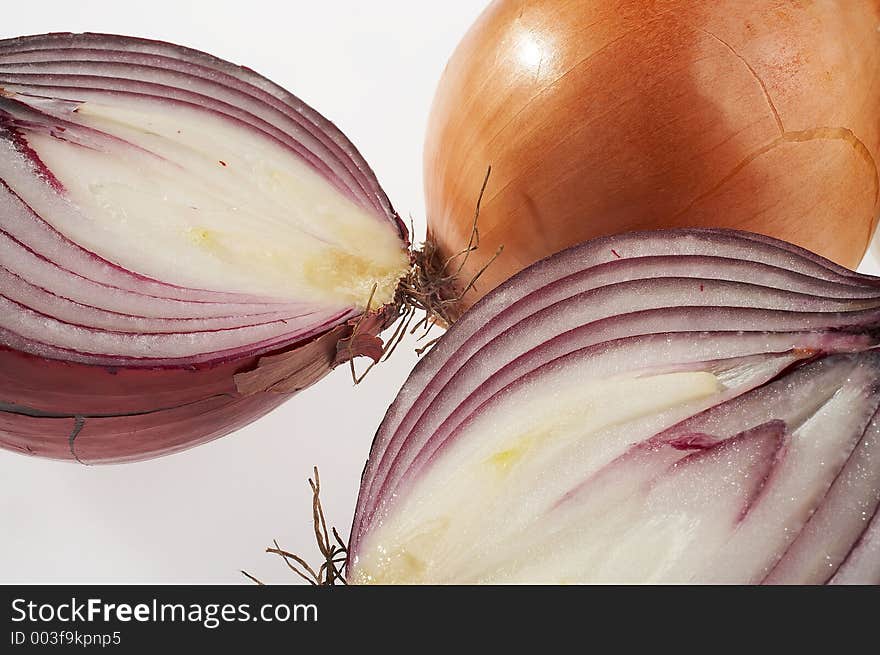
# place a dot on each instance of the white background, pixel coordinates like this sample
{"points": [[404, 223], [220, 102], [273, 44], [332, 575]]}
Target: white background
{"points": [[371, 66]]}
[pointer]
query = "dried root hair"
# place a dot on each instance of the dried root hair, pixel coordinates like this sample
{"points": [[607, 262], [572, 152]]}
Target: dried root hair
{"points": [[430, 289], [333, 550]]}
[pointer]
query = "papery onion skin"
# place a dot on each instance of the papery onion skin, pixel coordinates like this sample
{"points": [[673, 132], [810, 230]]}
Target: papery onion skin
{"points": [[793, 340], [95, 414], [605, 116], [105, 408]]}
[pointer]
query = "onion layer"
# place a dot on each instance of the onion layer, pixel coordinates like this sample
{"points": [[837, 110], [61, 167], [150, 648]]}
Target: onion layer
{"points": [[672, 406], [604, 116], [182, 245]]}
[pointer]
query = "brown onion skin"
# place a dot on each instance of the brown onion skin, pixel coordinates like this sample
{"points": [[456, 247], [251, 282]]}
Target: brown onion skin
{"points": [[601, 116]]}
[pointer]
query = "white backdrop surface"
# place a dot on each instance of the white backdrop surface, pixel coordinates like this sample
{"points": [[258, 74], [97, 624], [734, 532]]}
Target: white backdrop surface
{"points": [[200, 516]]}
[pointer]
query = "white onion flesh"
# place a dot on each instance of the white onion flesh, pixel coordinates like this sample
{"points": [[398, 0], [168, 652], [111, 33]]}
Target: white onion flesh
{"points": [[191, 198], [162, 205], [691, 406]]}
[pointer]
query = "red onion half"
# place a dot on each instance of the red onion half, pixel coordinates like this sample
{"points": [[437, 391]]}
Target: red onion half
{"points": [[183, 244], [673, 406]]}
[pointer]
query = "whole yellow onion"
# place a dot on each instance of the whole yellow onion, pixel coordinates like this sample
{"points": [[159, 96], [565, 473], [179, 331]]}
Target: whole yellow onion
{"points": [[603, 116]]}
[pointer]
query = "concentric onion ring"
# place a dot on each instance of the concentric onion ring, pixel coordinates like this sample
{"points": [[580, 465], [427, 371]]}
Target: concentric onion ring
{"points": [[672, 406], [183, 244]]}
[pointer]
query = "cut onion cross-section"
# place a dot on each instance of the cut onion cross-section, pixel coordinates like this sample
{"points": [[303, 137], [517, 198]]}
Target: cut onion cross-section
{"points": [[182, 245], [673, 406]]}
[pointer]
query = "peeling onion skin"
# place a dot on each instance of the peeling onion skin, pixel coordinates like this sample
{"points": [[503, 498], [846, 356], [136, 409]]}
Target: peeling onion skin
{"points": [[95, 415], [183, 363], [112, 414], [720, 421], [605, 116]]}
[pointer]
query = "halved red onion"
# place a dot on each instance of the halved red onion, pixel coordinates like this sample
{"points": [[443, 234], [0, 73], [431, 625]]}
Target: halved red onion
{"points": [[678, 406], [183, 244]]}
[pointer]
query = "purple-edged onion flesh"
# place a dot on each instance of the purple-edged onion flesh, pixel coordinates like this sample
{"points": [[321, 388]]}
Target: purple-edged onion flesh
{"points": [[683, 406], [182, 244]]}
